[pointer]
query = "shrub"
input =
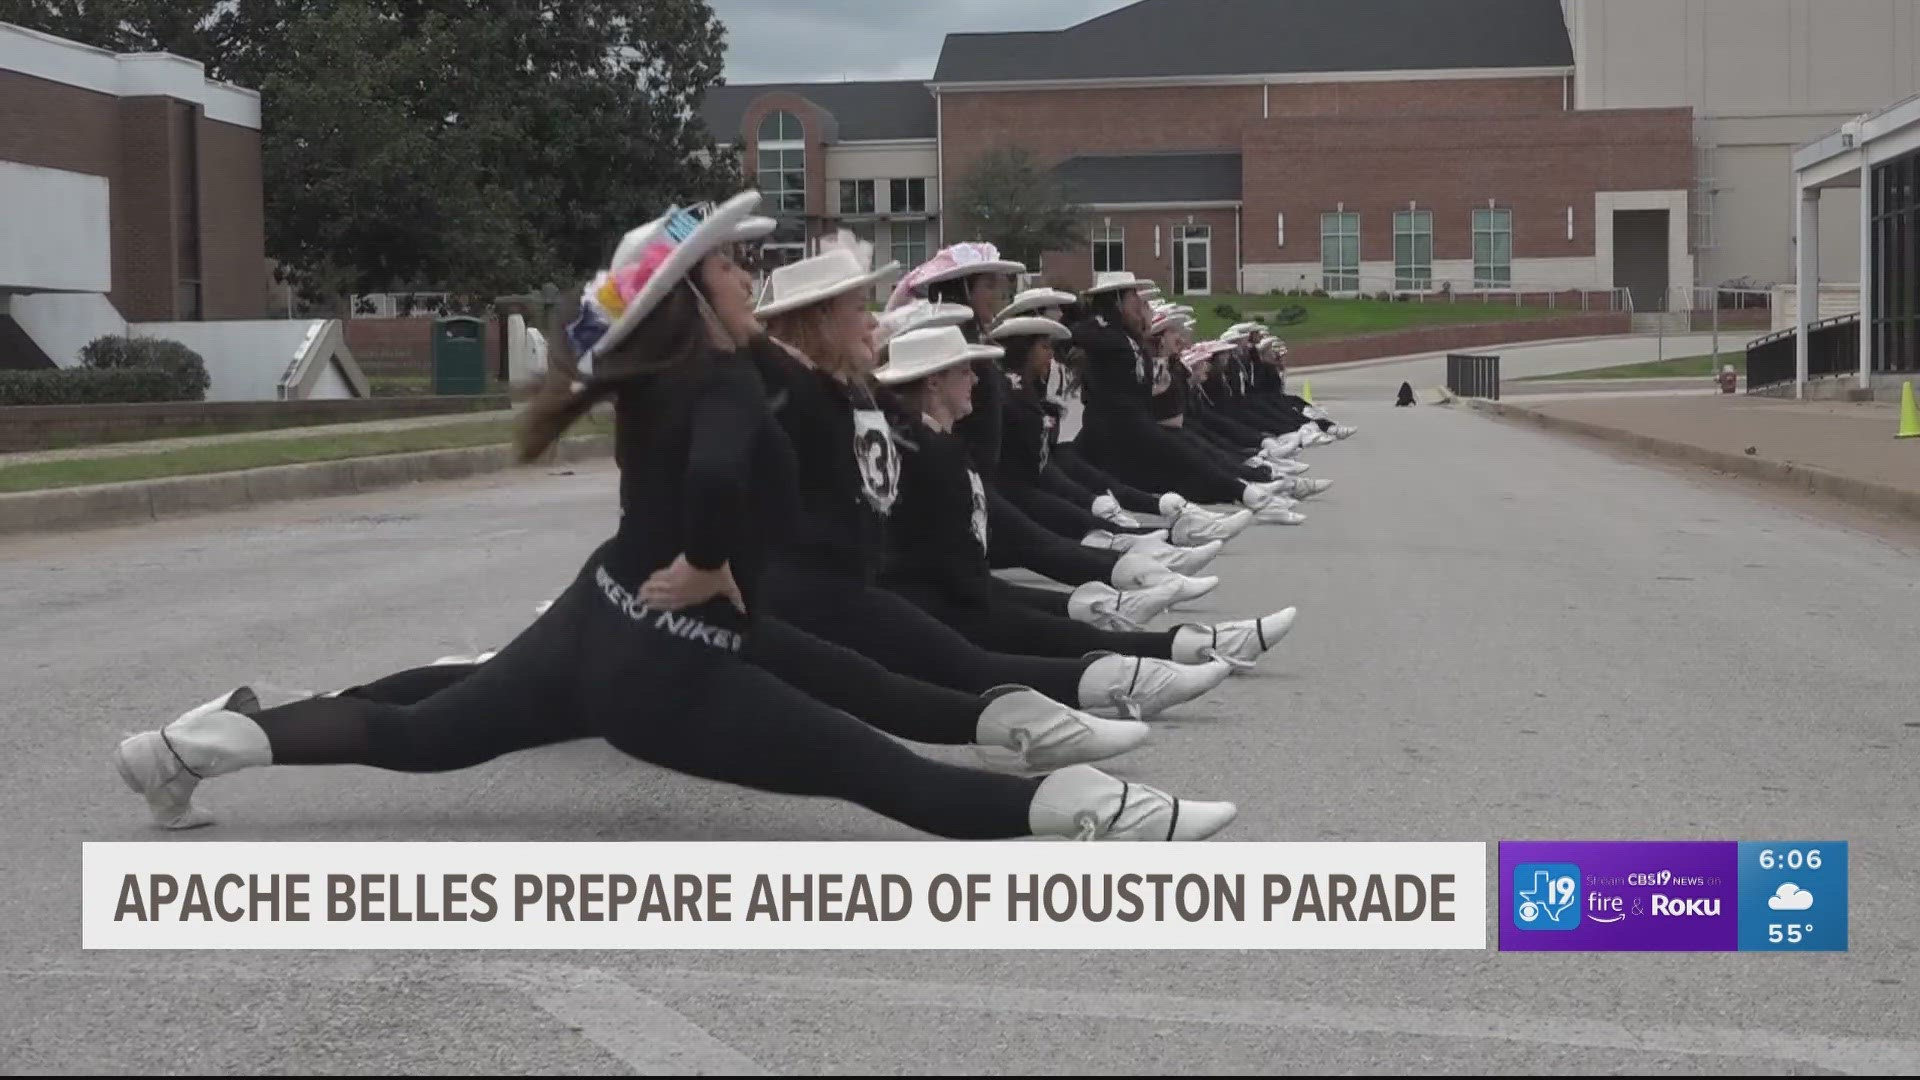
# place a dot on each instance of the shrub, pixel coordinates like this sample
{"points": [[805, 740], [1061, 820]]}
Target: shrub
{"points": [[182, 365], [90, 386], [1227, 311], [1320, 294], [1291, 315], [1383, 296]]}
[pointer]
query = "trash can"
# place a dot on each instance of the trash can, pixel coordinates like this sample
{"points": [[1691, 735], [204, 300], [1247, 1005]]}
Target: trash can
{"points": [[1473, 376], [459, 355]]}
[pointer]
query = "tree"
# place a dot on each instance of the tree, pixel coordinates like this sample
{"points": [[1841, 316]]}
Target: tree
{"points": [[468, 146], [1017, 206]]}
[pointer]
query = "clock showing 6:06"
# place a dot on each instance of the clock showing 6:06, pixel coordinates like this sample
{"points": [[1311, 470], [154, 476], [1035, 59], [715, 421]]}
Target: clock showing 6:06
{"points": [[1793, 896]]}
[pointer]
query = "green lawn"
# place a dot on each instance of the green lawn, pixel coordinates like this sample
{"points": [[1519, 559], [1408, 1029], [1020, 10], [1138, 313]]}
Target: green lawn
{"points": [[1332, 318], [1702, 366], [257, 453]]}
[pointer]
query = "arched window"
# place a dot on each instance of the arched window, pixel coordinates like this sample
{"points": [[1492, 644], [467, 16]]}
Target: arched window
{"points": [[783, 163]]}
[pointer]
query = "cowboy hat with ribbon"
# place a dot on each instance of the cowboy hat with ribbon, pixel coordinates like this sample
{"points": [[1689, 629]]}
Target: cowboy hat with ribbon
{"points": [[843, 266], [649, 262], [1033, 300], [958, 261], [917, 354]]}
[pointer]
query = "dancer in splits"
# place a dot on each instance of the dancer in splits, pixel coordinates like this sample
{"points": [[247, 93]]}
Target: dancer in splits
{"points": [[939, 529], [643, 649]]}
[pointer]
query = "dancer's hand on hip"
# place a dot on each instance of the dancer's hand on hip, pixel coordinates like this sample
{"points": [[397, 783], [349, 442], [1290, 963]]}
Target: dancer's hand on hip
{"points": [[683, 585]]}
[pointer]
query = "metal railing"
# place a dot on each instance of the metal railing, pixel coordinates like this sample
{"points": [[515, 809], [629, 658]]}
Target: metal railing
{"points": [[1833, 349], [1445, 291], [1474, 375]]}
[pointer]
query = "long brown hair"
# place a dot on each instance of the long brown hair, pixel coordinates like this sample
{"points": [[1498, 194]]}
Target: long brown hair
{"points": [[806, 330], [670, 339]]}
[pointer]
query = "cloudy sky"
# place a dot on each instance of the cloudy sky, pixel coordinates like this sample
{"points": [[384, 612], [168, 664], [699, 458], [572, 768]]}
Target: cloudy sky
{"points": [[818, 40]]}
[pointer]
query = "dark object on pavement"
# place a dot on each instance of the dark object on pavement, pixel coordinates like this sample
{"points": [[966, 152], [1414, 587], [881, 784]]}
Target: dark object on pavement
{"points": [[1406, 396]]}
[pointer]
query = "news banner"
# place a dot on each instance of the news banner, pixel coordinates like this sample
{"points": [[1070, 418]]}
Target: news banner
{"points": [[1566, 896]]}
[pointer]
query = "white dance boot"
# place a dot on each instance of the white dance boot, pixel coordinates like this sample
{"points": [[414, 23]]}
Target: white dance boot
{"points": [[1195, 526], [212, 740], [1257, 496], [1023, 730], [1140, 687], [1083, 803], [1344, 431], [1281, 447], [1108, 509], [1180, 560], [1302, 487], [1112, 541], [1279, 513], [1240, 643], [1099, 604], [1135, 570], [476, 659]]}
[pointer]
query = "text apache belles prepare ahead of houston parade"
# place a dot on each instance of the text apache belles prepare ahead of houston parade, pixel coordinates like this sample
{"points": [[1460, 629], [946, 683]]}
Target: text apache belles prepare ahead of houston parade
{"points": [[613, 897]]}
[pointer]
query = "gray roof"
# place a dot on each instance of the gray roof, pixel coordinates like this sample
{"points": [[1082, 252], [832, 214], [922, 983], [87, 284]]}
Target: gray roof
{"points": [[864, 110], [1172, 38], [1151, 178]]}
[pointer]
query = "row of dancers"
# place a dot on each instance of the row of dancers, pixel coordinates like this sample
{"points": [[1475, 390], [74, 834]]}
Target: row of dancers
{"points": [[815, 504]]}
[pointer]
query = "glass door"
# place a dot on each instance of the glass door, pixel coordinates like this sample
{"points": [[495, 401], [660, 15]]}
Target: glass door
{"points": [[1193, 259]]}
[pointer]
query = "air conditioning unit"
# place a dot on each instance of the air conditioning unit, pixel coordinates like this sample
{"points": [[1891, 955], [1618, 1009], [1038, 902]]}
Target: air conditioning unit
{"points": [[1850, 134]]}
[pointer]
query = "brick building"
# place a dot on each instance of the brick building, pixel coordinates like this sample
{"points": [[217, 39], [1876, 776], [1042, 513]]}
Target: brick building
{"points": [[1366, 145], [130, 192]]}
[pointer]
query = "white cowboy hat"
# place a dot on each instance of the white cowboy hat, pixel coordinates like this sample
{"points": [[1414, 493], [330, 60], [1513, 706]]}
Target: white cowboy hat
{"points": [[917, 354], [957, 261], [1028, 326], [1033, 300], [919, 315], [649, 262], [748, 230], [843, 265], [1117, 281]]}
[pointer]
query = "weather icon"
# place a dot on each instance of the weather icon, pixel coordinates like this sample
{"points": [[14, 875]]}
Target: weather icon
{"points": [[1790, 897]]}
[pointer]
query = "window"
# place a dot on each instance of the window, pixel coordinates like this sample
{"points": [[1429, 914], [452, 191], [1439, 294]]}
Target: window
{"points": [[1413, 249], [787, 244], [783, 163], [1109, 249], [908, 196], [856, 196], [1492, 249], [1340, 252], [909, 242]]}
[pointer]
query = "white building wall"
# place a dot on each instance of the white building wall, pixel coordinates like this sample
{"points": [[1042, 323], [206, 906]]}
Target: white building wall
{"points": [[54, 230], [1763, 76]]}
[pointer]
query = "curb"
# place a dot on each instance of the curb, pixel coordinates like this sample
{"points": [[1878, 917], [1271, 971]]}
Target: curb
{"points": [[1862, 493], [104, 505]]}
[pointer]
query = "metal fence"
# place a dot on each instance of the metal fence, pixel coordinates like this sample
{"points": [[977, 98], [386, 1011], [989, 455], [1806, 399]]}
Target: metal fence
{"points": [[1833, 349], [1474, 375]]}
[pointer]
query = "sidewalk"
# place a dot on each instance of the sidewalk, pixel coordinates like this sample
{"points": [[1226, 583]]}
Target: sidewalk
{"points": [[157, 446], [1846, 450]]}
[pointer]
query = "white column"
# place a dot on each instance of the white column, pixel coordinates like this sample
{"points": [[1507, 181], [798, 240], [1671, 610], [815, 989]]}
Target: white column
{"points": [[1866, 270], [1806, 284]]}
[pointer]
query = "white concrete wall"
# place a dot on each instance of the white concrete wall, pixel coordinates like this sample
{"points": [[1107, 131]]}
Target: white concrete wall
{"points": [[62, 323], [1744, 57], [883, 163], [1533, 275], [246, 360], [1763, 76], [331, 386], [44, 56], [1836, 298], [1679, 251], [55, 230]]}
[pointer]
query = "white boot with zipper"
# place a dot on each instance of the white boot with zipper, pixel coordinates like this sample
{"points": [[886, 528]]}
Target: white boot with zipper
{"points": [[1023, 730], [166, 766], [1083, 803], [1141, 687]]}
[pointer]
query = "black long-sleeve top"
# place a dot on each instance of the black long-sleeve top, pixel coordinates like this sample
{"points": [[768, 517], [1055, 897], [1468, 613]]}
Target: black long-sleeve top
{"points": [[1171, 403], [848, 467], [1118, 375], [1027, 432], [938, 529], [981, 430], [704, 471]]}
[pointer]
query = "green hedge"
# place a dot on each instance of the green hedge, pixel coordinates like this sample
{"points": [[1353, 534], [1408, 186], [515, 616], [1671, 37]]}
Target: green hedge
{"points": [[114, 369], [91, 386]]}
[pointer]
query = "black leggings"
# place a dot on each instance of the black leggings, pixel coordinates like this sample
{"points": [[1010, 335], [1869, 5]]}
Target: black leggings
{"points": [[1016, 540], [585, 668], [1060, 516], [1013, 627], [1070, 475], [1051, 601], [902, 707], [1136, 449], [887, 628]]}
